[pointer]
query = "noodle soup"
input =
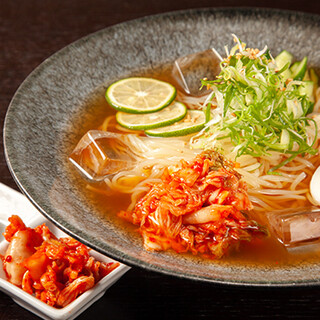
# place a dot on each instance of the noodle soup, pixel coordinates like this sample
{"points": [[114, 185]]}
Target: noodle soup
{"points": [[241, 233], [263, 251]]}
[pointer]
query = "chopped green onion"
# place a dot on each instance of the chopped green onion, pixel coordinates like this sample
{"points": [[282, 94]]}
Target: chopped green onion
{"points": [[260, 110]]}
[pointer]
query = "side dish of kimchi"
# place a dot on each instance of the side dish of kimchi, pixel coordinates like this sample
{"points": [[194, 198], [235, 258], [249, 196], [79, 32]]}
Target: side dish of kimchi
{"points": [[199, 206], [56, 271]]}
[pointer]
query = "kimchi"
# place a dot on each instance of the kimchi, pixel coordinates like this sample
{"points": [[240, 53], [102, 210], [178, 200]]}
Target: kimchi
{"points": [[199, 206], [56, 271]]}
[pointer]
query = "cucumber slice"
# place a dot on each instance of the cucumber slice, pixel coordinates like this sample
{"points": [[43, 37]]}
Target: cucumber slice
{"points": [[300, 69], [165, 117], [294, 66], [282, 59], [294, 107], [193, 122], [306, 88], [140, 95]]}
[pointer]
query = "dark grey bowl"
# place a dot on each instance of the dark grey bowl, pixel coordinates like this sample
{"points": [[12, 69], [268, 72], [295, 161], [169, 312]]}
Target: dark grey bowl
{"points": [[50, 111]]}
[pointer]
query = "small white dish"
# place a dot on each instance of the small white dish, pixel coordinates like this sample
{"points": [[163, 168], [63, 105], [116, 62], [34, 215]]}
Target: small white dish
{"points": [[33, 304]]}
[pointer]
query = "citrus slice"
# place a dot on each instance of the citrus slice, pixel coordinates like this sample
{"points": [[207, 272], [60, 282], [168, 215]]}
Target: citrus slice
{"points": [[193, 122], [140, 95], [173, 113]]}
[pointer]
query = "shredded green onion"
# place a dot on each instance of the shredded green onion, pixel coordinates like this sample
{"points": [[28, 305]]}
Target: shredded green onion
{"points": [[260, 111]]}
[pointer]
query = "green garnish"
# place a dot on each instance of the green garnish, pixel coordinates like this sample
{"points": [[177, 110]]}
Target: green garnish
{"points": [[260, 109]]}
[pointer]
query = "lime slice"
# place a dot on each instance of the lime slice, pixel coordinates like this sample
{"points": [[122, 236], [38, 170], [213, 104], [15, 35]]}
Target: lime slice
{"points": [[173, 113], [140, 95], [193, 122]]}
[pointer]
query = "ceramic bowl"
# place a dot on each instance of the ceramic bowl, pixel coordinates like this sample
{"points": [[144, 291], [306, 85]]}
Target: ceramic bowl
{"points": [[51, 109]]}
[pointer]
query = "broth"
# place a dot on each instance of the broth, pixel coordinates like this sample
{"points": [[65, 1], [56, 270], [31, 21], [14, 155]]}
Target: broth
{"points": [[259, 251]]}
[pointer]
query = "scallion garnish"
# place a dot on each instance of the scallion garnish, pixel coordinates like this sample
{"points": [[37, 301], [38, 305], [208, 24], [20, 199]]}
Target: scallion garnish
{"points": [[260, 109]]}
